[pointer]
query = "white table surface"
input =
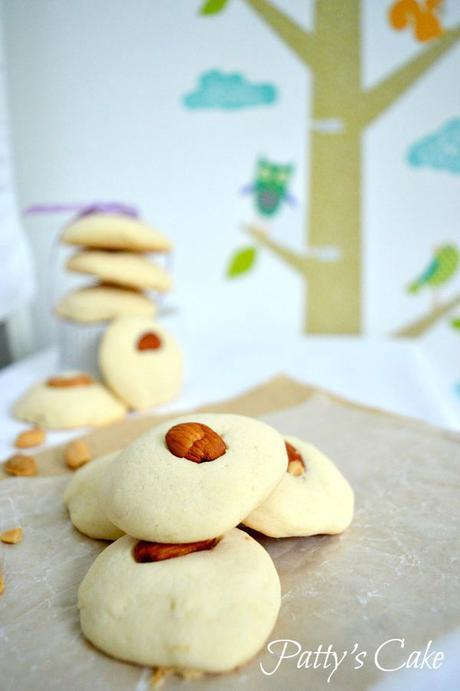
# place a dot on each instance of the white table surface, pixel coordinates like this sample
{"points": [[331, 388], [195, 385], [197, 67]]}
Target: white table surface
{"points": [[396, 376]]}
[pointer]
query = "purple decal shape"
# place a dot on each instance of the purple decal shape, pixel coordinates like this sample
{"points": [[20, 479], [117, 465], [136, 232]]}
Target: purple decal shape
{"points": [[84, 209]]}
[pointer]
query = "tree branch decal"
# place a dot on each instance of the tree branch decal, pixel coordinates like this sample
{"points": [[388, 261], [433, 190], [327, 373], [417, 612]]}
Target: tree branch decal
{"points": [[420, 326], [298, 262], [376, 100], [300, 41]]}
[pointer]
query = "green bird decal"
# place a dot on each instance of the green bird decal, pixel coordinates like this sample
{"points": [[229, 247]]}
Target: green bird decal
{"points": [[442, 267]]}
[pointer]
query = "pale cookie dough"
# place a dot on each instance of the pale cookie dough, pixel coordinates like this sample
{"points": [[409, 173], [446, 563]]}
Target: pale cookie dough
{"points": [[211, 610], [69, 400], [121, 268], [141, 362], [153, 494], [113, 231], [318, 501], [81, 497], [103, 303]]}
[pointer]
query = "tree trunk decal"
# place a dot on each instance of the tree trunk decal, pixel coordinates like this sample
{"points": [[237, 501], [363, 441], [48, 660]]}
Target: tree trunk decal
{"points": [[343, 110]]}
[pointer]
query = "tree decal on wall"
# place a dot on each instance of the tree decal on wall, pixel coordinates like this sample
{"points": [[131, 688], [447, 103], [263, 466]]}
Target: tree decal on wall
{"points": [[270, 191], [332, 52], [439, 151], [438, 272]]}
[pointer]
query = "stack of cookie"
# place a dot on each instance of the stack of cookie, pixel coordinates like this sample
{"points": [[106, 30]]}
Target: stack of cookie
{"points": [[140, 362], [184, 588], [142, 367], [113, 249], [113, 245]]}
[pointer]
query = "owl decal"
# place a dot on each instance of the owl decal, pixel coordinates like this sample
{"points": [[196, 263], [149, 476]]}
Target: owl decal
{"points": [[270, 190], [270, 187]]}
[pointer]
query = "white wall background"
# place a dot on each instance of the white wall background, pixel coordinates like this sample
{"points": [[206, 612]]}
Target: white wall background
{"points": [[95, 97]]}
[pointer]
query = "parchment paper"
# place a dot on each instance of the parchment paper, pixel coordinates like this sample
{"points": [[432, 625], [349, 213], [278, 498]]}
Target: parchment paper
{"points": [[393, 574]]}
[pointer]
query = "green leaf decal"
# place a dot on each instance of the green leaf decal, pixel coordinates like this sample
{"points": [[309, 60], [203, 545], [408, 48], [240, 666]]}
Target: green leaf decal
{"points": [[213, 6], [241, 262]]}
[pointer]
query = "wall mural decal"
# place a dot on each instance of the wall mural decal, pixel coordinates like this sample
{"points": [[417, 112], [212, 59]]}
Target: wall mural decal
{"points": [[421, 17], [242, 261], [455, 324], [232, 91], [442, 268], [332, 51], [270, 190], [438, 150], [213, 6], [270, 187], [439, 271]]}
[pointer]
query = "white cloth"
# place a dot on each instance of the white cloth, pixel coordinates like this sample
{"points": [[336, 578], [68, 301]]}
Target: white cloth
{"points": [[17, 283]]}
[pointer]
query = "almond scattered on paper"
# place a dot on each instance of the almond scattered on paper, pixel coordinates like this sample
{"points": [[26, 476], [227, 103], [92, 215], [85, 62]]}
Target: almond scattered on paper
{"points": [[189, 674], [77, 454], [30, 438], [2, 584], [12, 537], [160, 674], [21, 465]]}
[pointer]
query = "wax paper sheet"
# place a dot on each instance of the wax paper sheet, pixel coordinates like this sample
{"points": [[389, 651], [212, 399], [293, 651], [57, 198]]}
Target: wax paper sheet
{"points": [[393, 575]]}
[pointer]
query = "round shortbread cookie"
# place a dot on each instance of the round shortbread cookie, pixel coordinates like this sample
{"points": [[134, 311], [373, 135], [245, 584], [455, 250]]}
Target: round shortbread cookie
{"points": [[210, 610], [71, 399], [103, 303], [314, 500], [114, 231], [121, 268], [153, 493], [141, 362], [81, 496]]}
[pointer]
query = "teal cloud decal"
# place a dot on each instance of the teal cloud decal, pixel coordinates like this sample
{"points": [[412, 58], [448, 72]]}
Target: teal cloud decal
{"points": [[229, 92], [439, 150]]}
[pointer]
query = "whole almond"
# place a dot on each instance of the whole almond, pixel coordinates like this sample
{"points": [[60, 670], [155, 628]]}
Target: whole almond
{"points": [[11, 537], [30, 438], [62, 382], [77, 454], [195, 442], [21, 465], [145, 552], [296, 464], [159, 676], [149, 341], [189, 674]]}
